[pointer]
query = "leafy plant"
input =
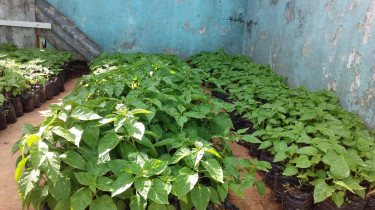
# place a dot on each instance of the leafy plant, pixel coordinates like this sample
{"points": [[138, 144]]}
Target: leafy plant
{"points": [[309, 132], [137, 132]]}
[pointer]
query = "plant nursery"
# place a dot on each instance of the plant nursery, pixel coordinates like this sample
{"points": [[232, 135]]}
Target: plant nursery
{"points": [[187, 105]]}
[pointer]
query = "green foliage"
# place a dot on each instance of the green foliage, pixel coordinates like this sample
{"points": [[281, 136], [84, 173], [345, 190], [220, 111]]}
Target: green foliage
{"points": [[138, 132], [309, 132]]}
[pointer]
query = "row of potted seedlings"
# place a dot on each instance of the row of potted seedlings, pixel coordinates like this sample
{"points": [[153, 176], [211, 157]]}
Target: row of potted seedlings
{"points": [[322, 156], [28, 79]]}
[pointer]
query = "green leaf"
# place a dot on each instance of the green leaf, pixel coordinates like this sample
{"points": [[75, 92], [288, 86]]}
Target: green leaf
{"points": [[265, 145], [104, 183], [139, 130], [96, 168], [222, 190], [90, 135], [154, 166], [308, 150], [261, 187], [63, 204], [122, 183], [280, 156], [60, 131], [74, 159], [85, 178], [157, 193], [103, 202], [303, 161], [61, 189], [28, 181], [214, 195], [106, 144], [180, 153], [77, 133], [51, 166], [156, 206], [185, 181], [27, 129], [214, 169], [19, 168], [81, 199], [137, 202], [290, 170], [250, 139], [143, 186], [84, 113], [200, 196], [338, 198], [322, 191], [339, 168]]}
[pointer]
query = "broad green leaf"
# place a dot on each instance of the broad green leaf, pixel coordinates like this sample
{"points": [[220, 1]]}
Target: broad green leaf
{"points": [[38, 196], [290, 170], [90, 135], [185, 181], [74, 159], [261, 187], [84, 113], [156, 206], [236, 188], [61, 189], [154, 166], [103, 202], [122, 183], [180, 153], [139, 130], [137, 202], [60, 131], [303, 161], [200, 196], [339, 168], [214, 169], [265, 145], [85, 178], [81, 199], [214, 195], [280, 156], [104, 183], [106, 144], [27, 129], [77, 133], [251, 139], [322, 191], [27, 182], [338, 198], [343, 184], [308, 150], [96, 168], [157, 193], [51, 166], [143, 186], [19, 168], [63, 204]]}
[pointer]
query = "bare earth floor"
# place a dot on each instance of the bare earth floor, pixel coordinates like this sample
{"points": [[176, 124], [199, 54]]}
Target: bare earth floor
{"points": [[9, 199]]}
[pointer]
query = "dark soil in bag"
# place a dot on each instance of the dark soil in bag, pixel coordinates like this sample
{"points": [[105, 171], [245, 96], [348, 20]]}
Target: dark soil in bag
{"points": [[356, 203], [49, 90], [222, 96], [254, 151], [17, 103], [370, 203], [3, 118], [42, 93], [55, 85], [280, 183], [10, 113], [265, 155], [298, 199], [36, 97], [60, 82], [27, 102], [271, 174]]}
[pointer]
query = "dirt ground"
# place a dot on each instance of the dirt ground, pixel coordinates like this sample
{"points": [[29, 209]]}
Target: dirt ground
{"points": [[9, 199]]}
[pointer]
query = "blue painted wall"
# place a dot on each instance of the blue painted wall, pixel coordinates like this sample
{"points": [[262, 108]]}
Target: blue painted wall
{"points": [[181, 27], [320, 44]]}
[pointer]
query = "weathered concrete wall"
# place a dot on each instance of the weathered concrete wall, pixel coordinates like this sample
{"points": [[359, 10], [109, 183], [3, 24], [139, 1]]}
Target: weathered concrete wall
{"points": [[320, 44], [181, 27], [23, 10]]}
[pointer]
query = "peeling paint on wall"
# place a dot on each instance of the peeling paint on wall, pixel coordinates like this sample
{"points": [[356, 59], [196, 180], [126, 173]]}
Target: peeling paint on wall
{"points": [[336, 37], [367, 23]]}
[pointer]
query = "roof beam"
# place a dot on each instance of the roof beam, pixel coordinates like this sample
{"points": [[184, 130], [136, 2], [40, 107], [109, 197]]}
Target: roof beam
{"points": [[25, 24]]}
